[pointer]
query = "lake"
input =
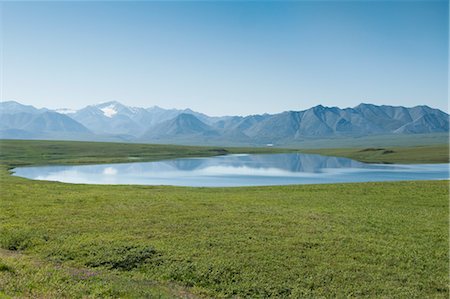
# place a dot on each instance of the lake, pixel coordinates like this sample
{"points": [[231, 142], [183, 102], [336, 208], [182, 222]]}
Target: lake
{"points": [[237, 170]]}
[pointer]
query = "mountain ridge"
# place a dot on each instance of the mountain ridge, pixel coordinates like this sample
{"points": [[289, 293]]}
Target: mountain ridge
{"points": [[113, 120]]}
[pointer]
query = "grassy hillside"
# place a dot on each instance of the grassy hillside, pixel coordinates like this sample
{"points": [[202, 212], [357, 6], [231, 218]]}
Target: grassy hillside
{"points": [[26, 152], [69, 240], [391, 140], [405, 155]]}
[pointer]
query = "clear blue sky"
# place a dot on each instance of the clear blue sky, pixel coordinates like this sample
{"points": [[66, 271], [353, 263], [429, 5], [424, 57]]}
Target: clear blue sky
{"points": [[226, 57]]}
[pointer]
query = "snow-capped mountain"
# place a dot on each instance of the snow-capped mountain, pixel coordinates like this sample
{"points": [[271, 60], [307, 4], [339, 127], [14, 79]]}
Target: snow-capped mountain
{"points": [[111, 118], [65, 111], [115, 118], [115, 121]]}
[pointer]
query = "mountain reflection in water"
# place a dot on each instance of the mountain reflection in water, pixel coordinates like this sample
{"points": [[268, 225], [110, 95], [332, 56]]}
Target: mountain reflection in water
{"points": [[237, 170]]}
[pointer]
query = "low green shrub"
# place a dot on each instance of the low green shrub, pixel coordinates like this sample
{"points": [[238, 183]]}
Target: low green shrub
{"points": [[121, 257], [118, 255], [15, 238], [5, 268]]}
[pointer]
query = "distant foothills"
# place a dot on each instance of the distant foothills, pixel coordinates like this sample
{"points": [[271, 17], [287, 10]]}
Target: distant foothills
{"points": [[113, 121]]}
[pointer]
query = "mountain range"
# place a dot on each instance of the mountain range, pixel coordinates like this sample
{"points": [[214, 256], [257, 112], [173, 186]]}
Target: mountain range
{"points": [[113, 121]]}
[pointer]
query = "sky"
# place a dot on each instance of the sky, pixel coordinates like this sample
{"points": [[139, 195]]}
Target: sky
{"points": [[225, 58]]}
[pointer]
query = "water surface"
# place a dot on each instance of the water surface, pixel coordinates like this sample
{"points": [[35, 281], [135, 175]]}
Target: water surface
{"points": [[237, 170]]}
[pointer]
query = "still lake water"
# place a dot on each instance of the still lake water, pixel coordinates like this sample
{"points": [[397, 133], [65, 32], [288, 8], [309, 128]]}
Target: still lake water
{"points": [[237, 170]]}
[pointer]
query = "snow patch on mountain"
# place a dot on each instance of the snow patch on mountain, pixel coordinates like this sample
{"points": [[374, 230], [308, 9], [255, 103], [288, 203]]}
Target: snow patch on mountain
{"points": [[109, 111], [65, 111]]}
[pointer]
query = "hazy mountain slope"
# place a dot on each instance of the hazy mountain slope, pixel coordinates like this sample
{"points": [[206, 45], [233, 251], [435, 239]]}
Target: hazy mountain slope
{"points": [[22, 121], [16, 134], [428, 123], [115, 121], [111, 118], [42, 125], [41, 122], [314, 122], [53, 122], [15, 120], [184, 125], [12, 107], [378, 118], [115, 118], [275, 127]]}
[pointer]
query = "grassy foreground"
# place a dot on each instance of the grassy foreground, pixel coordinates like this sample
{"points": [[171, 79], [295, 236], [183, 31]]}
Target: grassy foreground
{"points": [[68, 240]]}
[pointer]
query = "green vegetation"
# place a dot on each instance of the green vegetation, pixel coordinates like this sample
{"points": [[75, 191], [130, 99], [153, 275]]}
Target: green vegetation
{"points": [[26, 152], [396, 140], [407, 155], [339, 240], [28, 276]]}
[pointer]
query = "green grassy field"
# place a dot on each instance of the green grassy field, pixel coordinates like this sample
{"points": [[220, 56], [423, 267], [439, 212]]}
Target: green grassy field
{"points": [[31, 152], [22, 152], [391, 140], [359, 240], [408, 155]]}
